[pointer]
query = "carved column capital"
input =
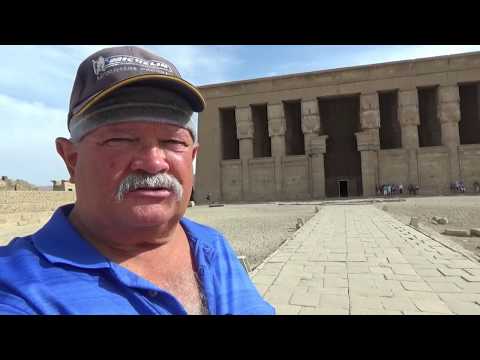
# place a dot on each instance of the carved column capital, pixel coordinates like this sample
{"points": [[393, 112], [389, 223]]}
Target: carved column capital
{"points": [[310, 116], [408, 107], [368, 140], [243, 118], [448, 104], [369, 111], [318, 145], [276, 119]]}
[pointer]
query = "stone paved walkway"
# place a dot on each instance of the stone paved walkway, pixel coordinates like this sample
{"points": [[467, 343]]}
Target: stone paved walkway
{"points": [[357, 259]]}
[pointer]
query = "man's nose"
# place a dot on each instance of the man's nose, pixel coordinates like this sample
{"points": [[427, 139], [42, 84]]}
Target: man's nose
{"points": [[151, 159]]}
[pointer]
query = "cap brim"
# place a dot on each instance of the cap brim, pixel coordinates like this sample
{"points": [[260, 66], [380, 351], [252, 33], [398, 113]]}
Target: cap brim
{"points": [[184, 88]]}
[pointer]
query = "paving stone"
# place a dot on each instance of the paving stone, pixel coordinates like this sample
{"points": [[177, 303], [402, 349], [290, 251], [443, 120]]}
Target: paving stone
{"points": [[365, 302], [424, 273], [463, 307], [324, 311], [261, 288], [451, 272], [261, 279], [333, 291], [471, 278], [334, 301], [336, 283], [460, 264], [403, 269], [434, 306], [474, 272], [400, 303], [304, 298], [287, 309], [415, 286], [376, 312], [444, 287]]}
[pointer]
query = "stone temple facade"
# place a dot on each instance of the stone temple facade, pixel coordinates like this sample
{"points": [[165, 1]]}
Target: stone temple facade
{"points": [[342, 132]]}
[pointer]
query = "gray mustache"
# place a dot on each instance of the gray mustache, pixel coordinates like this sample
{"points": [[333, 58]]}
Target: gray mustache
{"points": [[146, 181]]}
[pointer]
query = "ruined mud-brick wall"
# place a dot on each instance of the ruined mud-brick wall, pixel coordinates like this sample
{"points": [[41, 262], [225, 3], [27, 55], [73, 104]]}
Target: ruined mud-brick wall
{"points": [[33, 201]]}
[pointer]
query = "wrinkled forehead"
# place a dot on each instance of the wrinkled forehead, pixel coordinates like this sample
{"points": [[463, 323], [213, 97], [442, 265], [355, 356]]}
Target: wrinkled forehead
{"points": [[140, 128]]}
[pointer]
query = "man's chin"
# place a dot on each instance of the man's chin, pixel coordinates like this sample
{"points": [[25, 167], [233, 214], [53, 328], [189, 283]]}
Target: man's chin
{"points": [[153, 214]]}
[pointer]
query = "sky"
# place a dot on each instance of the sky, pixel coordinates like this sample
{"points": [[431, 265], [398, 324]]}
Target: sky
{"points": [[36, 81]]}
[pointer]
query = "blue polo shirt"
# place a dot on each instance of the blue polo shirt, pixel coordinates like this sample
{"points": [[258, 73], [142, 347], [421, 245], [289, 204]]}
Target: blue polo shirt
{"points": [[56, 271]]}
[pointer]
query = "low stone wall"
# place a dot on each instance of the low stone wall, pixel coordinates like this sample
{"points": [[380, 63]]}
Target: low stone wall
{"points": [[15, 202]]}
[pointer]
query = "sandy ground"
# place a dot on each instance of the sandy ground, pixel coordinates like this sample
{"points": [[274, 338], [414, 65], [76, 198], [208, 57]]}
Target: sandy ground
{"points": [[253, 230], [462, 212]]}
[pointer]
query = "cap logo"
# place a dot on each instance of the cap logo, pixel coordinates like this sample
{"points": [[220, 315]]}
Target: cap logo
{"points": [[104, 66]]}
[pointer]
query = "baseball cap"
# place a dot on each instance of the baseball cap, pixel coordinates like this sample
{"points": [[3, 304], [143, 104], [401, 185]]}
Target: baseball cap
{"points": [[104, 73]]}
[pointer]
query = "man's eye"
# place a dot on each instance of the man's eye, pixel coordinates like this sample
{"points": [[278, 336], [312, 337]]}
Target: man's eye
{"points": [[113, 141], [175, 144]]}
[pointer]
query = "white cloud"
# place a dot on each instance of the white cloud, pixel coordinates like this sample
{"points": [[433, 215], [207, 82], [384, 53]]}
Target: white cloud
{"points": [[27, 147]]}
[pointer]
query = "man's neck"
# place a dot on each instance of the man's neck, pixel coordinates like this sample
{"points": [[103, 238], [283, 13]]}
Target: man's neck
{"points": [[120, 244]]}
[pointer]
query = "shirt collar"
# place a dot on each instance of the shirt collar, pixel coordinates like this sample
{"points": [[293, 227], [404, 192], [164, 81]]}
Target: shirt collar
{"points": [[60, 242]]}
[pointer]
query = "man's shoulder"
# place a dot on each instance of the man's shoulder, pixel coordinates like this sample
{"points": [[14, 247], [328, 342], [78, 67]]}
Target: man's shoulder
{"points": [[17, 256]]}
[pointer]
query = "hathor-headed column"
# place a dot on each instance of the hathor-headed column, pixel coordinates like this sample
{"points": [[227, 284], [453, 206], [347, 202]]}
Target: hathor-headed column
{"points": [[368, 141], [243, 118], [449, 115], [409, 119], [276, 131], [315, 147]]}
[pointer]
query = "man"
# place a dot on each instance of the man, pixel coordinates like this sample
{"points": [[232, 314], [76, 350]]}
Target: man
{"points": [[124, 247]]}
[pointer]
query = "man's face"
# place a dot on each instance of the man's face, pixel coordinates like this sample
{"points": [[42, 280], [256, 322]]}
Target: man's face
{"points": [[104, 158]]}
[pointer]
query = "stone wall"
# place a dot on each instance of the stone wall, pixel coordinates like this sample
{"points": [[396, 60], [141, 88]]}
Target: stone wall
{"points": [[33, 201], [469, 156], [262, 179], [433, 170], [393, 167], [231, 182], [295, 179]]}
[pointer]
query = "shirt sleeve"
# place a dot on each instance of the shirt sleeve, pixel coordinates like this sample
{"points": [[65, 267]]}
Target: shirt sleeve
{"points": [[235, 292], [13, 305]]}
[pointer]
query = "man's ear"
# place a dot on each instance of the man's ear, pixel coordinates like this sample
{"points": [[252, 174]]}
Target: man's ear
{"points": [[195, 151], [67, 150]]}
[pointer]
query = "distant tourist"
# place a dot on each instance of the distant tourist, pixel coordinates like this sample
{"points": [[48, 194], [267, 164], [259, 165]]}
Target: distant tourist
{"points": [[476, 186], [125, 246]]}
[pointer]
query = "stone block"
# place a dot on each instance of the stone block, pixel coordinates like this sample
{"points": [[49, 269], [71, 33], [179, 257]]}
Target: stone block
{"points": [[448, 94], [433, 306], [473, 232], [416, 286], [457, 232], [440, 220], [370, 119], [448, 112], [369, 101]]}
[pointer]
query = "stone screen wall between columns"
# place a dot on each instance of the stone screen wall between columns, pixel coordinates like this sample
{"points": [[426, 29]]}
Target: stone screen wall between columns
{"points": [[390, 131], [469, 126], [469, 157], [433, 174], [294, 138], [429, 130], [261, 140], [231, 172], [230, 145]]}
